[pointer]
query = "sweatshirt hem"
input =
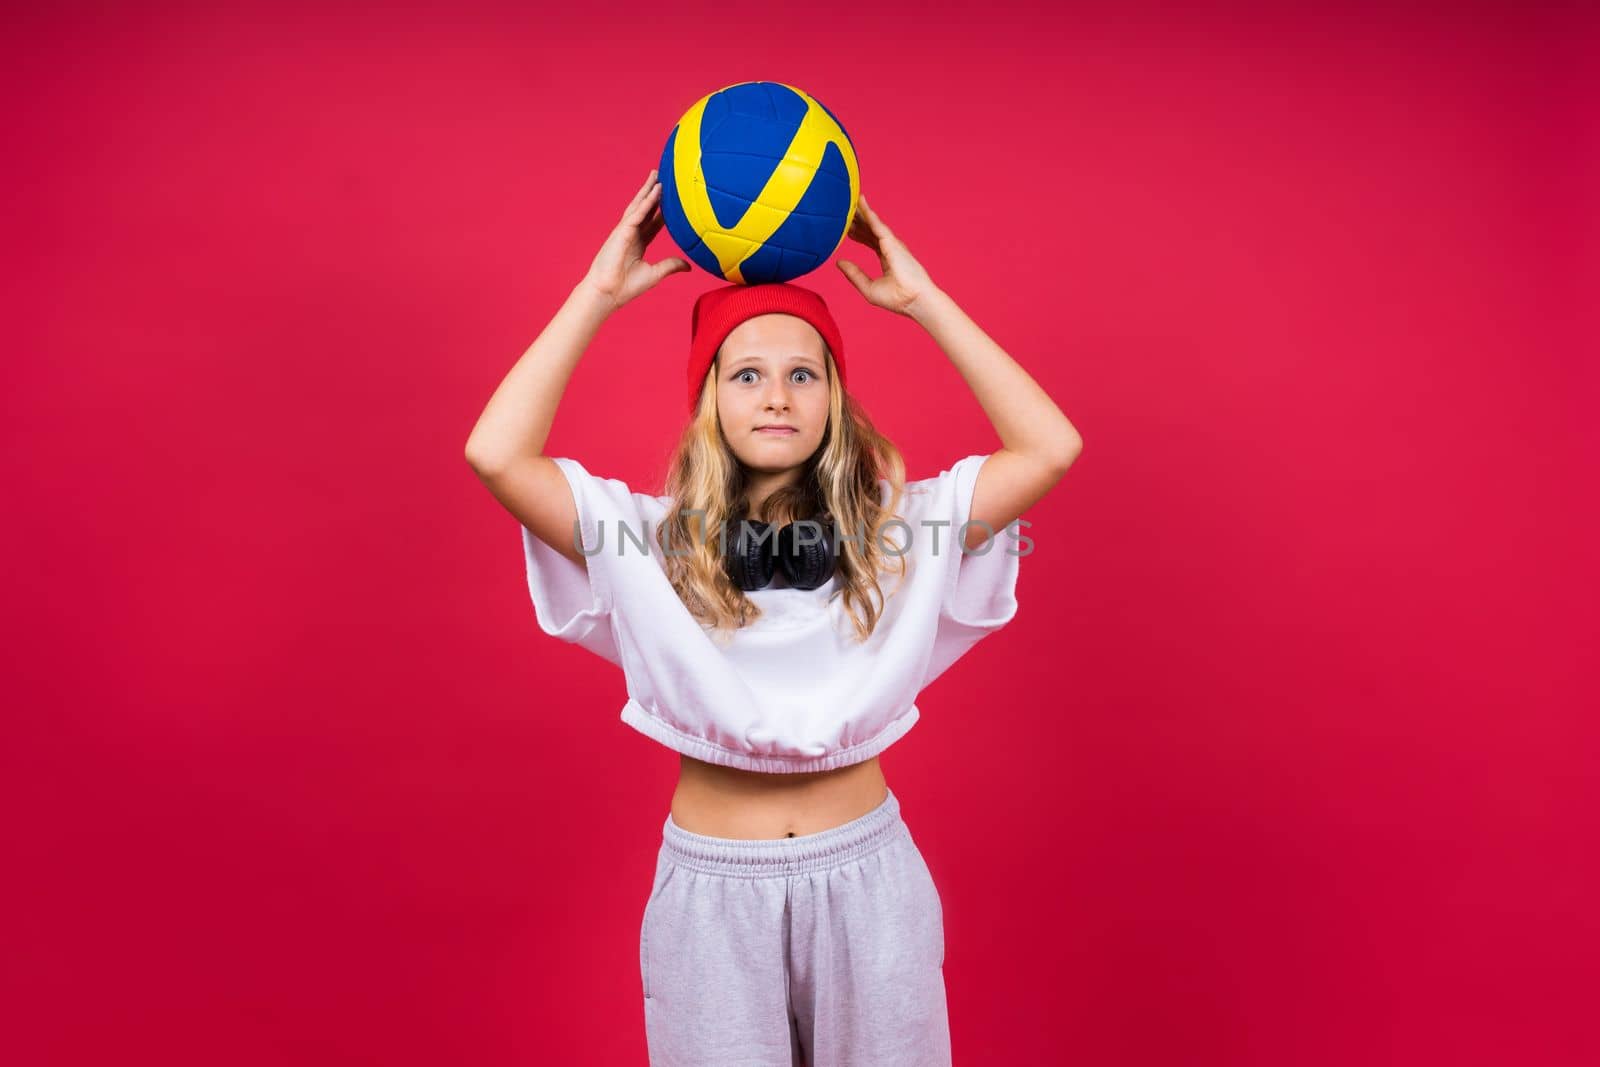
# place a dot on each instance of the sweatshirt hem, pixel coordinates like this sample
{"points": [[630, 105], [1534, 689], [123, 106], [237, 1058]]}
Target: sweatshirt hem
{"points": [[639, 717]]}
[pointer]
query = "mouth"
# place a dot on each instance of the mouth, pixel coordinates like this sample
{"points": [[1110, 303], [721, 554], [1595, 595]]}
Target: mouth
{"points": [[778, 430]]}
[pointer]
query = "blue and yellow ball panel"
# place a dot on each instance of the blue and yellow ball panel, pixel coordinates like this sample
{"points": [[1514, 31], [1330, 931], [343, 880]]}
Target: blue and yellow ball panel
{"points": [[758, 183]]}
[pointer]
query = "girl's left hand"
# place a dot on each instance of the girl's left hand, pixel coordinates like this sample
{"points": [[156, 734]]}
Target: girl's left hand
{"points": [[903, 280]]}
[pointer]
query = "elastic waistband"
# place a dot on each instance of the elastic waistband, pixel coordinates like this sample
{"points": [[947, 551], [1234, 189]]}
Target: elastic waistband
{"points": [[785, 855]]}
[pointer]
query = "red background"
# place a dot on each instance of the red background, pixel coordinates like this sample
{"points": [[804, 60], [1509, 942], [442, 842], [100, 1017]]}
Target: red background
{"points": [[1288, 757]]}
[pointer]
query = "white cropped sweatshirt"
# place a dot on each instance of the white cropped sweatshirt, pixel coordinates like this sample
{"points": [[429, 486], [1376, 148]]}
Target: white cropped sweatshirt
{"points": [[794, 690]]}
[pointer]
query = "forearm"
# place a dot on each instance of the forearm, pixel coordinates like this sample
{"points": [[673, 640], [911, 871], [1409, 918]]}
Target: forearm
{"points": [[1026, 419], [517, 420]]}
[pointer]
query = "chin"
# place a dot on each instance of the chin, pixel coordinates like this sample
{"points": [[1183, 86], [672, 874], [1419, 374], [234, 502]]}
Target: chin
{"points": [[776, 460], [772, 463]]}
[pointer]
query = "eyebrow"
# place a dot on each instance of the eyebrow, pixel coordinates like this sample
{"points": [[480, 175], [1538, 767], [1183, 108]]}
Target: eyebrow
{"points": [[794, 361]]}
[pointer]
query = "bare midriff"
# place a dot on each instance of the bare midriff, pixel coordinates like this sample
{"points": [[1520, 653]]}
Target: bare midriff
{"points": [[750, 805]]}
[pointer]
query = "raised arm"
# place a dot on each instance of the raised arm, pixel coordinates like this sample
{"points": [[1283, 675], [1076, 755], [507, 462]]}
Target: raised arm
{"points": [[1038, 443], [506, 446]]}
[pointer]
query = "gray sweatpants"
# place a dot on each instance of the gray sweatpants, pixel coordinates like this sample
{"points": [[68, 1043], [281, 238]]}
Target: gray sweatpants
{"points": [[825, 949]]}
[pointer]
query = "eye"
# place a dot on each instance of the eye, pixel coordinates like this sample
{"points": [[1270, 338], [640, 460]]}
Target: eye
{"points": [[807, 373], [739, 377]]}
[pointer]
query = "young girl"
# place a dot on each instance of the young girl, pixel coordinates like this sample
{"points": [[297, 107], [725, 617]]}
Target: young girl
{"points": [[775, 613]]}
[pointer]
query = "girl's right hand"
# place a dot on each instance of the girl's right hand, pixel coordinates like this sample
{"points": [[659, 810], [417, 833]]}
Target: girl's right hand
{"points": [[619, 272]]}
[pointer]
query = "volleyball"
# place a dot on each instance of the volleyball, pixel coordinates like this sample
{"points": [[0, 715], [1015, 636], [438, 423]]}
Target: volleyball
{"points": [[758, 183]]}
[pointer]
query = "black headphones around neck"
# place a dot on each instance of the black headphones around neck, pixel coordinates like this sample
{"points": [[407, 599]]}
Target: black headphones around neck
{"points": [[751, 553]]}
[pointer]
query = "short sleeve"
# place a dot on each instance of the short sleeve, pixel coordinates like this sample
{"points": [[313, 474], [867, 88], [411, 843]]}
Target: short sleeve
{"points": [[574, 601], [980, 587]]}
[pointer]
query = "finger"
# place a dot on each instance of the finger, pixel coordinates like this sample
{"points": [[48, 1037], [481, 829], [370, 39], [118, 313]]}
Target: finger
{"points": [[644, 191], [873, 220], [860, 231], [879, 243], [870, 244], [651, 227], [660, 270], [856, 275], [869, 240], [642, 203], [863, 218], [641, 209]]}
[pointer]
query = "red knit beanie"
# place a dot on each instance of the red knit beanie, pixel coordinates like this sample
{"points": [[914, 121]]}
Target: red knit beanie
{"points": [[718, 311]]}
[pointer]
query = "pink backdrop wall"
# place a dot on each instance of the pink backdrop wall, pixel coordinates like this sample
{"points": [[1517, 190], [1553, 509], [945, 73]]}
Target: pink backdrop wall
{"points": [[1284, 759]]}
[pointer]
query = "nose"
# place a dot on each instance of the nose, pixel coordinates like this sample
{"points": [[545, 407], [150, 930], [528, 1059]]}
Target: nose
{"points": [[777, 397]]}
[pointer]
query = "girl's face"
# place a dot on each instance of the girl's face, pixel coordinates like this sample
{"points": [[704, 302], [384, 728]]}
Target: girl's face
{"points": [[772, 371]]}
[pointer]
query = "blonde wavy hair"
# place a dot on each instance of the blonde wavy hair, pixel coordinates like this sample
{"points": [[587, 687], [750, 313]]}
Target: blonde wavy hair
{"points": [[840, 478]]}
